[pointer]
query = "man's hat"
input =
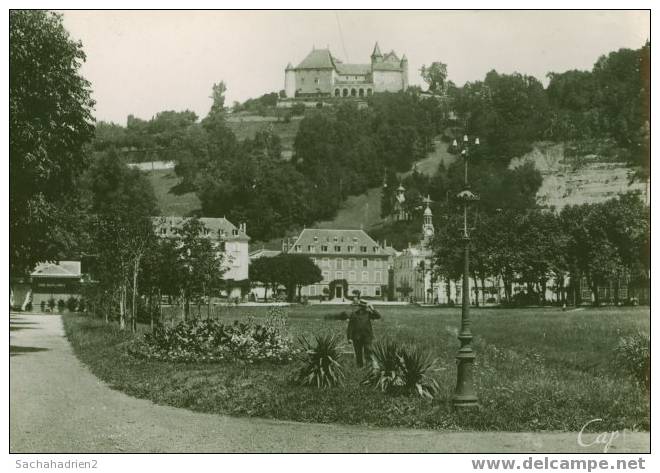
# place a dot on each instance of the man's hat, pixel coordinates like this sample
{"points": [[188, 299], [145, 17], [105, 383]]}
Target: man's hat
{"points": [[363, 303]]}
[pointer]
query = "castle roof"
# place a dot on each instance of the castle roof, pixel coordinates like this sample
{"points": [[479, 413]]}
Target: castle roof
{"points": [[353, 69], [376, 51], [317, 59]]}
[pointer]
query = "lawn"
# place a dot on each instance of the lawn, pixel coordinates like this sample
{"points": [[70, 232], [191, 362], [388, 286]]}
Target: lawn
{"points": [[536, 369]]}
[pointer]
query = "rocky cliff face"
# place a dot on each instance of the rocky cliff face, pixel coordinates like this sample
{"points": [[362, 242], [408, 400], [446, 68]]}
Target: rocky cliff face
{"points": [[578, 179]]}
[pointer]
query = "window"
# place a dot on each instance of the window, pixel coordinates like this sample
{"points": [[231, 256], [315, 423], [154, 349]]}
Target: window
{"points": [[349, 263], [326, 275], [349, 248], [364, 263], [354, 239], [326, 262], [339, 275], [312, 291], [337, 248], [363, 249], [351, 276], [324, 248], [378, 292], [335, 239], [316, 80], [375, 249], [311, 248], [378, 263], [377, 276], [316, 239], [365, 276], [297, 248]]}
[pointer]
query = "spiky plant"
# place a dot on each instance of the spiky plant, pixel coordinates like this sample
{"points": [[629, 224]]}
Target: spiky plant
{"points": [[384, 372], [415, 367], [321, 365]]}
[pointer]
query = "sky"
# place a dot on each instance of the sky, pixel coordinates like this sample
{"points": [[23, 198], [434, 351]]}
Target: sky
{"points": [[144, 62]]}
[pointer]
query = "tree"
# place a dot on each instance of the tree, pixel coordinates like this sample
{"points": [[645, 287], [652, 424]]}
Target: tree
{"points": [[49, 122], [293, 272], [120, 203], [435, 76], [262, 270], [201, 260]]}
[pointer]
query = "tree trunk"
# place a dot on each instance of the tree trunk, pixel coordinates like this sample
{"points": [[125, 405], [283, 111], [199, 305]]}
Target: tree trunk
{"points": [[151, 310], [160, 306], [122, 306], [476, 290], [136, 268], [483, 290]]}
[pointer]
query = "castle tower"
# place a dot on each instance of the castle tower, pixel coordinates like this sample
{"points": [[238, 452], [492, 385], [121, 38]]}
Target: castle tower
{"points": [[376, 56], [404, 72], [290, 81], [427, 227]]}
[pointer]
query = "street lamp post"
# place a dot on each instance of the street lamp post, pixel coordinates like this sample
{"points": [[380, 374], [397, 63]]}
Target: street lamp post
{"points": [[464, 396]]}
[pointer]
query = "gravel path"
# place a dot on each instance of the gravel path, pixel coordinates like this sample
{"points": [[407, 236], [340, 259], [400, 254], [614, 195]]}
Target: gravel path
{"points": [[57, 405]]}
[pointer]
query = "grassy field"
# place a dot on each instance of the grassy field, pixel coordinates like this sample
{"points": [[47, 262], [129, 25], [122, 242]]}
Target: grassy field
{"points": [[171, 204], [537, 369]]}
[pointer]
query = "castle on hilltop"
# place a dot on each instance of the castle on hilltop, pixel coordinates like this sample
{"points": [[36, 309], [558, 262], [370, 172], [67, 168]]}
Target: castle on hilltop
{"points": [[321, 74]]}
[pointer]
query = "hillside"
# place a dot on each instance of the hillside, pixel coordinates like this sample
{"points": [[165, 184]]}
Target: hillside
{"points": [[169, 202], [247, 126], [574, 180]]}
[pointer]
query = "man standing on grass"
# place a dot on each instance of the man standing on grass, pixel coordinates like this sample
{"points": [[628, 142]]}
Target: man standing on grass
{"points": [[360, 331]]}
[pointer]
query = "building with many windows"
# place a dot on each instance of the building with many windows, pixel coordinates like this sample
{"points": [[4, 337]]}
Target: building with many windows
{"points": [[349, 255], [321, 74], [231, 240]]}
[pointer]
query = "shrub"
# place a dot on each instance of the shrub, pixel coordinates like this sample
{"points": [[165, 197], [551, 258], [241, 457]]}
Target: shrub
{"points": [[298, 108], [321, 362], [51, 303], [399, 369], [384, 372], [42, 305], [633, 354], [208, 340], [415, 366], [81, 305], [71, 304]]}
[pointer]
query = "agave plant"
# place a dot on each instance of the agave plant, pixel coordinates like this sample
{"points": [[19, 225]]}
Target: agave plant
{"points": [[399, 369], [415, 366], [384, 372], [321, 362]]}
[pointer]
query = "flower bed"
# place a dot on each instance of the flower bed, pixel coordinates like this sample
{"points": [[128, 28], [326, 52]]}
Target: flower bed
{"points": [[211, 341]]}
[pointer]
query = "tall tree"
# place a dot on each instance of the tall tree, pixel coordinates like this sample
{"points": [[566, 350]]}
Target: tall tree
{"points": [[49, 122]]}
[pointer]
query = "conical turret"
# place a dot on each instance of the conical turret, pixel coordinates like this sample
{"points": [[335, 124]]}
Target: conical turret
{"points": [[376, 55]]}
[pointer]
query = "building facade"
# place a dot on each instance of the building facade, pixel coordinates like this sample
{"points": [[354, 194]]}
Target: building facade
{"points": [[349, 255], [321, 74], [413, 267], [231, 241]]}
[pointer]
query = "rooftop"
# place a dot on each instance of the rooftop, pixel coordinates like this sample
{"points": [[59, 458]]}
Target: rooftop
{"points": [[62, 269], [349, 242], [166, 226]]}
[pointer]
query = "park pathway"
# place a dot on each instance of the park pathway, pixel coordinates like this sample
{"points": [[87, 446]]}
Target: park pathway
{"points": [[57, 405]]}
